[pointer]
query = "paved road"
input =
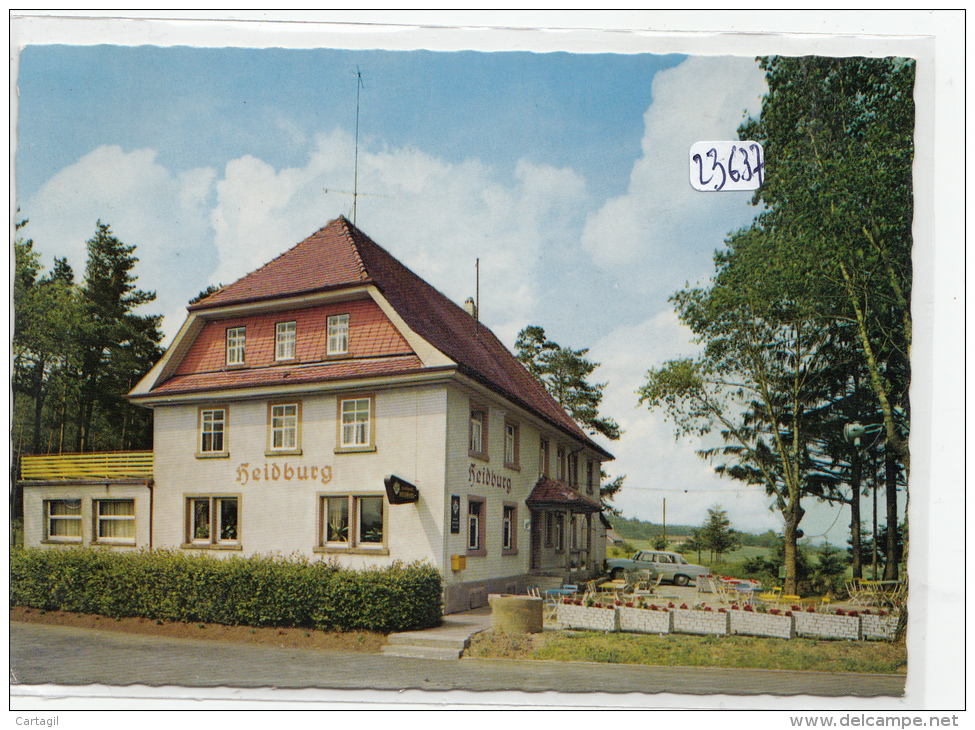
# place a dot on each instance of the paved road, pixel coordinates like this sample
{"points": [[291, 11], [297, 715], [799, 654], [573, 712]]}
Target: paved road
{"points": [[41, 654]]}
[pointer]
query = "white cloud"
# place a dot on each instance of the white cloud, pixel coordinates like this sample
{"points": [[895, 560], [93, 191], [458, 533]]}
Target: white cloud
{"points": [[697, 100], [434, 216], [146, 205]]}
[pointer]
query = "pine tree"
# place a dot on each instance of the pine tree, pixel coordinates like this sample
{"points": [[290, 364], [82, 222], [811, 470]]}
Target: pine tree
{"points": [[716, 534], [115, 344]]}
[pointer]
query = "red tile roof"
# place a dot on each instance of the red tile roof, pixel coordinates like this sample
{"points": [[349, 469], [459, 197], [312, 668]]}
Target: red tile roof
{"points": [[550, 493], [327, 259], [340, 256], [371, 334], [289, 375]]}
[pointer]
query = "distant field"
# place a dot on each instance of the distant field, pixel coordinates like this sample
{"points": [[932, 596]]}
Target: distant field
{"points": [[735, 556]]}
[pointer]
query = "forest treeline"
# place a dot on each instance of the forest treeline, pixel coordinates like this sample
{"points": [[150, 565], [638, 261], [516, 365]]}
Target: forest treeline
{"points": [[78, 348]]}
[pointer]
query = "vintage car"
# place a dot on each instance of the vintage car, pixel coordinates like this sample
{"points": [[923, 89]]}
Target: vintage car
{"points": [[671, 566]]}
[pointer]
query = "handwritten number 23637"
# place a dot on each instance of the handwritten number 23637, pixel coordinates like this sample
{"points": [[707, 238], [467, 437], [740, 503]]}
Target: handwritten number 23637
{"points": [[747, 167]]}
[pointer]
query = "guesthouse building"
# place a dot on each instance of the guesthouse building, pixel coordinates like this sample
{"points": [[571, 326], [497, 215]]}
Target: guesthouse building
{"points": [[335, 405]]}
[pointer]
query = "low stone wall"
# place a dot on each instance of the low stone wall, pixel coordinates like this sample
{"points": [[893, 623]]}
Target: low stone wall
{"points": [[645, 620], [878, 627], [827, 626], [588, 617], [751, 623], [689, 621], [745, 623]]}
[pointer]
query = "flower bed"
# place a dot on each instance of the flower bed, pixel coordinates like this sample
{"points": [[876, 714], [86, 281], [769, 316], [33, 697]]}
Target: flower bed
{"points": [[574, 615], [878, 626], [645, 620], [828, 625], [692, 621], [752, 623]]}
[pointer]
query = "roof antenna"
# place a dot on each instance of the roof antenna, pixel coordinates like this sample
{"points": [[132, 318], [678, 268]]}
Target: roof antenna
{"points": [[355, 179], [355, 183]]}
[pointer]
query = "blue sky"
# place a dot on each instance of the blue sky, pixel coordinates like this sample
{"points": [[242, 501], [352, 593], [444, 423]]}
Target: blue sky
{"points": [[566, 174]]}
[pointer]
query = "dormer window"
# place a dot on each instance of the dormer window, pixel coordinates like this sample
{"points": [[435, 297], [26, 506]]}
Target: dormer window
{"points": [[285, 334], [337, 331], [235, 345]]}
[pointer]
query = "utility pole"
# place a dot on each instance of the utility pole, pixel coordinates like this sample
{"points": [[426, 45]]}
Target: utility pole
{"points": [[665, 522]]}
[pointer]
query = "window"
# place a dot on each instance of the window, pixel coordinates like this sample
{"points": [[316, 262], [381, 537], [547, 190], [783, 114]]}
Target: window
{"points": [[284, 340], [337, 332], [559, 532], [574, 469], [479, 433], [336, 520], [549, 529], [355, 423], [212, 521], [560, 462], [63, 520], [213, 425], [283, 431], [115, 520], [589, 476], [573, 532], [235, 345], [543, 458], [509, 529], [512, 446], [475, 527], [370, 520], [352, 521]]}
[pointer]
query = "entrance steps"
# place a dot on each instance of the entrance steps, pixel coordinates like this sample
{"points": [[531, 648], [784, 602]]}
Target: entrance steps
{"points": [[416, 645], [446, 641]]}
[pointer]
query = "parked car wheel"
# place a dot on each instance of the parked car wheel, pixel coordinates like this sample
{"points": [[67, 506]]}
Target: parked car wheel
{"points": [[617, 574], [681, 580]]}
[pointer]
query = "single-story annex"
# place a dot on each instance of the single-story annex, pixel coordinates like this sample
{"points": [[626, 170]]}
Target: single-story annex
{"points": [[333, 404]]}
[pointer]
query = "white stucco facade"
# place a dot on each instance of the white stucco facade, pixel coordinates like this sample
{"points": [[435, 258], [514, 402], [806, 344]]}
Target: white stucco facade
{"points": [[280, 496]]}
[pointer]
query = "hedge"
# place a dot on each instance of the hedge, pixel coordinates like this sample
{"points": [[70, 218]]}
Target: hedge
{"points": [[254, 591]]}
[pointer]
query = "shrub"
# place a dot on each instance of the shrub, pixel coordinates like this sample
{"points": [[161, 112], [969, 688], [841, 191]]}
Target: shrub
{"points": [[254, 591]]}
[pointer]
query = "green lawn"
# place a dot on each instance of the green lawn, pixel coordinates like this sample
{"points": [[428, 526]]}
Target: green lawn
{"points": [[681, 650]]}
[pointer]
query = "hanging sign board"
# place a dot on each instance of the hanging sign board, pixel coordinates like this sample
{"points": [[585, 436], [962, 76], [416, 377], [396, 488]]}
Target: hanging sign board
{"points": [[399, 491], [454, 514]]}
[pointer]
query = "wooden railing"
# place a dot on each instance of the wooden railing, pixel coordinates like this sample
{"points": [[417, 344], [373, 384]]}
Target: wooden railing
{"points": [[107, 464]]}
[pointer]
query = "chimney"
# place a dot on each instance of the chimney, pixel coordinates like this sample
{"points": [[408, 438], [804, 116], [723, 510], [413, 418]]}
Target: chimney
{"points": [[470, 307]]}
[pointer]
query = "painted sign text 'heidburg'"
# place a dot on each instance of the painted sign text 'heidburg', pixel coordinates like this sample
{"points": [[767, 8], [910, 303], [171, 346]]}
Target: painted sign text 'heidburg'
{"points": [[286, 472]]}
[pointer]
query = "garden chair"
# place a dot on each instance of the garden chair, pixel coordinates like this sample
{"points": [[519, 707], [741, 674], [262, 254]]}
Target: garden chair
{"points": [[855, 592], [592, 589], [773, 595], [638, 585], [705, 584]]}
